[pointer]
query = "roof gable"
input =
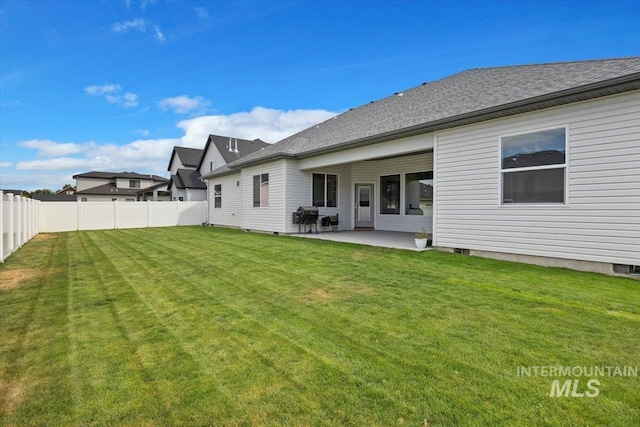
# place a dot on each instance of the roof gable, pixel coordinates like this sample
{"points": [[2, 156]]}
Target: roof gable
{"points": [[189, 157], [227, 146]]}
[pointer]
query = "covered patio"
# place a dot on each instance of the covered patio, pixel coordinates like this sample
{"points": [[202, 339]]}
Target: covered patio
{"points": [[384, 239]]}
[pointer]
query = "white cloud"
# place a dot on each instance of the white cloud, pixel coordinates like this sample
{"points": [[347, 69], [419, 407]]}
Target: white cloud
{"points": [[268, 124], [140, 155], [61, 160], [159, 36], [111, 94], [48, 148], [202, 12], [126, 101], [5, 165], [183, 104], [138, 24], [96, 90]]}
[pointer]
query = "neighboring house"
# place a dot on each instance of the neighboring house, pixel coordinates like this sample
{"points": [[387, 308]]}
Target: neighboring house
{"points": [[182, 163], [120, 186], [534, 162], [68, 191], [188, 164]]}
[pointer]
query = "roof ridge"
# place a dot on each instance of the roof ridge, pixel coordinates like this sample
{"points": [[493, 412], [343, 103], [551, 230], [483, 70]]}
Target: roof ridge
{"points": [[577, 61]]}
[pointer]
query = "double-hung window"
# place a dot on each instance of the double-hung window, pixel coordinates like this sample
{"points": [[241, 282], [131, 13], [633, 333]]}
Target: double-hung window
{"points": [[325, 190], [217, 196], [533, 167], [261, 191]]}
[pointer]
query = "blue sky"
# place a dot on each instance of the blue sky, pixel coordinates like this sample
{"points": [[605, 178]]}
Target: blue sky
{"points": [[114, 85]]}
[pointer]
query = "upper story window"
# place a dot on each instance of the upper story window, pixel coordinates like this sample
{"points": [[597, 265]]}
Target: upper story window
{"points": [[325, 190], [261, 191], [533, 167], [134, 183]]}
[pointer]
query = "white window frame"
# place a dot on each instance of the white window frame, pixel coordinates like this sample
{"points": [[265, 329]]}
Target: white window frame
{"points": [[564, 166], [134, 183], [263, 204], [217, 195], [326, 193]]}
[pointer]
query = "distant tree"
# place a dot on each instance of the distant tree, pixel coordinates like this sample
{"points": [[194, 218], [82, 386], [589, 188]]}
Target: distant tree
{"points": [[42, 191]]}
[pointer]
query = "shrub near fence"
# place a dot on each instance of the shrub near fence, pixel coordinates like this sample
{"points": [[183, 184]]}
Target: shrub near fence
{"points": [[72, 216], [18, 222]]}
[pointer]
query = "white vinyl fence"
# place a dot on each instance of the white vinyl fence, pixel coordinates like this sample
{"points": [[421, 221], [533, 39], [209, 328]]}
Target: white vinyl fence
{"points": [[18, 222], [72, 216]]}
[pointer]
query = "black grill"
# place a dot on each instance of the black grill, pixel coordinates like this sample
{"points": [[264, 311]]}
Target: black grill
{"points": [[306, 215]]}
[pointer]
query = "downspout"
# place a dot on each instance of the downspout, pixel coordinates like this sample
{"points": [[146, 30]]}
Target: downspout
{"points": [[434, 217]]}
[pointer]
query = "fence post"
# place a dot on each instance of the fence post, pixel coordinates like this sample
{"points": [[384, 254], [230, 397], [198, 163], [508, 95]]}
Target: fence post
{"points": [[115, 214], [10, 236], [148, 213], [29, 219], [1, 226], [18, 226]]}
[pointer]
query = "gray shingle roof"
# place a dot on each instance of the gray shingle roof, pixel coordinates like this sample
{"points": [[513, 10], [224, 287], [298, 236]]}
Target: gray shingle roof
{"points": [[470, 96], [109, 189], [188, 178], [55, 197], [190, 157], [245, 147], [113, 175]]}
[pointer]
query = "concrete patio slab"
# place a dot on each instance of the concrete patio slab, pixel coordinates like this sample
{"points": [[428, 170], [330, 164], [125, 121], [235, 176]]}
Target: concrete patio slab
{"points": [[385, 239]]}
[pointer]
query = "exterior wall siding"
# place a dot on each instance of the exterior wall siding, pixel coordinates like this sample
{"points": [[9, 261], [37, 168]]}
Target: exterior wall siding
{"points": [[230, 214], [106, 197], [599, 223], [195, 195], [86, 183], [299, 193], [370, 171], [272, 218]]}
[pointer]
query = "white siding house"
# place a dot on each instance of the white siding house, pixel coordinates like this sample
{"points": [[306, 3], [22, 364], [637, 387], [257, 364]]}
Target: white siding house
{"points": [[600, 220], [536, 163], [225, 201], [119, 186]]}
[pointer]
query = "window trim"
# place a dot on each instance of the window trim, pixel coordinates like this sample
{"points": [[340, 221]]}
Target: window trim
{"points": [[400, 175], [326, 193], [217, 197], [260, 203], [134, 183], [565, 166]]}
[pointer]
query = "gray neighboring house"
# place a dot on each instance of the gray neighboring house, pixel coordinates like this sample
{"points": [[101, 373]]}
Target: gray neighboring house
{"points": [[188, 164], [185, 184], [98, 186], [572, 198]]}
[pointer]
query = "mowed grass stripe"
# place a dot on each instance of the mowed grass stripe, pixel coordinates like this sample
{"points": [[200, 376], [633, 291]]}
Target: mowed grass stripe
{"points": [[209, 326], [469, 333], [201, 322], [185, 387], [254, 347]]}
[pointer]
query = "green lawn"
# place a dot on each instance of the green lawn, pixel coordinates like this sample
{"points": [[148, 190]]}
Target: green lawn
{"points": [[208, 326]]}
